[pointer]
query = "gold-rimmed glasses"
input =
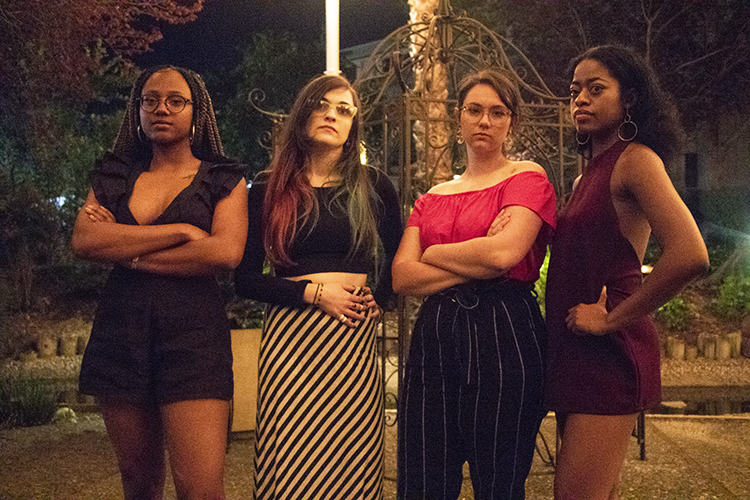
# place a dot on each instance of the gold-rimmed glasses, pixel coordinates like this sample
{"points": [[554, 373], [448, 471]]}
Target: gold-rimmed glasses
{"points": [[341, 109], [474, 113]]}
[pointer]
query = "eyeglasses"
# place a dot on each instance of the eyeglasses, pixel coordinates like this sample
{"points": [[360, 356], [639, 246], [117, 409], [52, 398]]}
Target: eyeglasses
{"points": [[174, 103], [475, 113], [342, 109]]}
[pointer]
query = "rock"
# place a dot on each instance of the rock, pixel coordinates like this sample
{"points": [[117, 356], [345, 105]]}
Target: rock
{"points": [[82, 341], [68, 346], [691, 352], [27, 357], [735, 343], [65, 415], [723, 349], [678, 350], [745, 349], [46, 346], [709, 347]]}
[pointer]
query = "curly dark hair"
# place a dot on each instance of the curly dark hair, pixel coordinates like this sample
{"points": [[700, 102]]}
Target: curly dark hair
{"points": [[653, 110], [205, 143]]}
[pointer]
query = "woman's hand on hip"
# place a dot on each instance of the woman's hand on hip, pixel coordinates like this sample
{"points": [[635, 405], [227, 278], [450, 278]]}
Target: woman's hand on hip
{"points": [[369, 303], [340, 302], [589, 319]]}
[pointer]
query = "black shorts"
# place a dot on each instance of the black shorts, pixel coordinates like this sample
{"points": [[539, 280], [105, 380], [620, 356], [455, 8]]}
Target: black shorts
{"points": [[159, 340]]}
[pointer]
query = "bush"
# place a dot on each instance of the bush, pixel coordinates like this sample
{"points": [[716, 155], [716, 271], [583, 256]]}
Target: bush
{"points": [[26, 402], [541, 284], [733, 300], [675, 315]]}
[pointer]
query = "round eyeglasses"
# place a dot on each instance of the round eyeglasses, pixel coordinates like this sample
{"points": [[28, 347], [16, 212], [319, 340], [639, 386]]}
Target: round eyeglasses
{"points": [[474, 113], [341, 109], [174, 103]]}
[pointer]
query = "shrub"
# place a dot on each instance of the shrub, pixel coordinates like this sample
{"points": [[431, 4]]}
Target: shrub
{"points": [[541, 284], [733, 300], [26, 402], [675, 314]]}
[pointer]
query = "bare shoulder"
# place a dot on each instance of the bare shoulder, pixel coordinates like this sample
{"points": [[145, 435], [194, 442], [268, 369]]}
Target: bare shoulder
{"points": [[447, 187], [527, 166], [638, 158]]}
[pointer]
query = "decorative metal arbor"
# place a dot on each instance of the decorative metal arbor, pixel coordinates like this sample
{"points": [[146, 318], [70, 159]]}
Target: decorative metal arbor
{"points": [[408, 87]]}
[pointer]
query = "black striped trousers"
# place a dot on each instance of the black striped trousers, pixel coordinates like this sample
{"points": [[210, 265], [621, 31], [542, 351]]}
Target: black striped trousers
{"points": [[473, 391], [320, 409]]}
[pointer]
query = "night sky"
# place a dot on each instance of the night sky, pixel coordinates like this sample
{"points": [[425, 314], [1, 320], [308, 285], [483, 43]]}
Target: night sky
{"points": [[213, 41]]}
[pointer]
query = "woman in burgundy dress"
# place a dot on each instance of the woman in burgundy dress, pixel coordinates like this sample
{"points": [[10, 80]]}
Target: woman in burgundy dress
{"points": [[473, 387], [603, 364]]}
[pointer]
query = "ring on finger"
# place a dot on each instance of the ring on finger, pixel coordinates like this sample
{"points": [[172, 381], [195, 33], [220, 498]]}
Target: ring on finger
{"points": [[342, 318]]}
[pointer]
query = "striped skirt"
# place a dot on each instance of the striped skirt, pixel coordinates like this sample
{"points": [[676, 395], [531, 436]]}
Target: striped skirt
{"points": [[320, 409]]}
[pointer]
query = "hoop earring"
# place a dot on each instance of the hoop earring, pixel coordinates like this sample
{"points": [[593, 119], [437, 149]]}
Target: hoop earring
{"points": [[192, 133], [459, 136], [580, 142], [627, 123], [141, 137]]}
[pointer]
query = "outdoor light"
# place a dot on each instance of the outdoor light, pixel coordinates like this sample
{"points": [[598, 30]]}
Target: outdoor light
{"points": [[332, 37]]}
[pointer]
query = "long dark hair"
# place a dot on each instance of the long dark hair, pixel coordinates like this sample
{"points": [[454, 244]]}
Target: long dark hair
{"points": [[288, 188], [205, 143], [653, 111]]}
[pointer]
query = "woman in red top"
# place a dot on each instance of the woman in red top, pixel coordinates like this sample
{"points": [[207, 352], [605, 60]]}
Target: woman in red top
{"points": [[474, 378], [603, 350]]}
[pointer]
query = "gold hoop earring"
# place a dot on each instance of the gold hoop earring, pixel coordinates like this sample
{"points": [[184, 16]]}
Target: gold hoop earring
{"points": [[141, 136], [628, 122], [192, 133], [459, 136], [580, 142]]}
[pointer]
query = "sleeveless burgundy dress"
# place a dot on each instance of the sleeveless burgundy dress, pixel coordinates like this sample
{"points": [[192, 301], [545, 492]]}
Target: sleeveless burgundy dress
{"points": [[613, 374]]}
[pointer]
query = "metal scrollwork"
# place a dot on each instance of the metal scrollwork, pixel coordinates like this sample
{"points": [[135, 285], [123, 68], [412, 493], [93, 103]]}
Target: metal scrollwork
{"points": [[408, 87]]}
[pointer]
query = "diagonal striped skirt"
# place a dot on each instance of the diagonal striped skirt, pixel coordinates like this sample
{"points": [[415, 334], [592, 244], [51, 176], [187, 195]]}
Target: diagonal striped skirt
{"points": [[320, 409]]}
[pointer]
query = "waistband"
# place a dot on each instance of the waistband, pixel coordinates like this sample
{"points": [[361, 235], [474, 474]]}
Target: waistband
{"points": [[468, 294]]}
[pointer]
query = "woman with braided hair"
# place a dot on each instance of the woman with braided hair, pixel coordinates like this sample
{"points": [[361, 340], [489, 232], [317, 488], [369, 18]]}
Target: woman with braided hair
{"points": [[169, 211]]}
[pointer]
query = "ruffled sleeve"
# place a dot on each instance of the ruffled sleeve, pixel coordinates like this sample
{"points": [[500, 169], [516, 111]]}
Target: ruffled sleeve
{"points": [[415, 219], [110, 181], [533, 191], [220, 179]]}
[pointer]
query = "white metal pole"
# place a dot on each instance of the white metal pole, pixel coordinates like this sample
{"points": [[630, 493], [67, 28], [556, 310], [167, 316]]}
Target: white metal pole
{"points": [[332, 37]]}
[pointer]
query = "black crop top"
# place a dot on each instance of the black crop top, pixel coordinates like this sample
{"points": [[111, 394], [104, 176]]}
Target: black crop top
{"points": [[324, 248]]}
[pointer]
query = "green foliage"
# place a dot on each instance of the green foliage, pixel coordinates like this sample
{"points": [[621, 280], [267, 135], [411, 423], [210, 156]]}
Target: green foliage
{"points": [[244, 314], [279, 65], [733, 300], [541, 284], [675, 315], [26, 402]]}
